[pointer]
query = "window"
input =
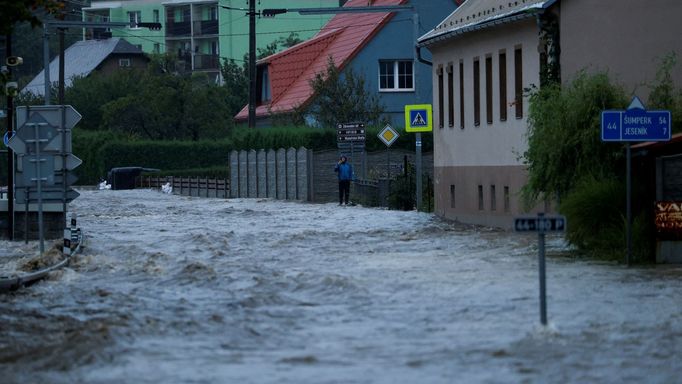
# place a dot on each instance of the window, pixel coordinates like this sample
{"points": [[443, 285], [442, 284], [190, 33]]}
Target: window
{"points": [[506, 198], [518, 82], [452, 196], [156, 16], [157, 48], [134, 18], [451, 97], [477, 92], [396, 75], [493, 198], [264, 84], [480, 198], [489, 89], [461, 94], [213, 13], [124, 62], [503, 86], [441, 113]]}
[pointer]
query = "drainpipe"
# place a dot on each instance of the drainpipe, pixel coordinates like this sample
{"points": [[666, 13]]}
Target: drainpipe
{"points": [[420, 58]]}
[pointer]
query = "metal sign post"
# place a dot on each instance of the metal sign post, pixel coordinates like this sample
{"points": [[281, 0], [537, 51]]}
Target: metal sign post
{"points": [[634, 124], [388, 136], [541, 224], [418, 119]]}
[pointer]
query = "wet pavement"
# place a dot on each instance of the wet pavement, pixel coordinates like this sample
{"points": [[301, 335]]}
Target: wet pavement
{"points": [[191, 290]]}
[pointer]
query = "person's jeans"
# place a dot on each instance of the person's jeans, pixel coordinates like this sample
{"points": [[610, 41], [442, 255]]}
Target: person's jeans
{"points": [[344, 191]]}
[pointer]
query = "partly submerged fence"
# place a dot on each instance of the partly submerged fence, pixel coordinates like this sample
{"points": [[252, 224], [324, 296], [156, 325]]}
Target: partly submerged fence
{"points": [[297, 174], [188, 186]]}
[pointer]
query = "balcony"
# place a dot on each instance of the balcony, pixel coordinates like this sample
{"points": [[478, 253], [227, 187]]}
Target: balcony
{"points": [[206, 62], [205, 27], [178, 29]]}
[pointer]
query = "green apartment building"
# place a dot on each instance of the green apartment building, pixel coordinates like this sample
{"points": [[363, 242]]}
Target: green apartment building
{"points": [[200, 33]]}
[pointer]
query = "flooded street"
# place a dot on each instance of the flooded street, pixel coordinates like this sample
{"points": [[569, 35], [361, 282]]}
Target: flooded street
{"points": [[190, 290]]}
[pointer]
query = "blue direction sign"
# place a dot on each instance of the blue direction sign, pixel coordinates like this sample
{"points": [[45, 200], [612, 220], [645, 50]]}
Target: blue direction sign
{"points": [[6, 137], [635, 124]]}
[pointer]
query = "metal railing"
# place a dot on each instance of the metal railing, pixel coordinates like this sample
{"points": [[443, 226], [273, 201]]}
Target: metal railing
{"points": [[187, 186]]}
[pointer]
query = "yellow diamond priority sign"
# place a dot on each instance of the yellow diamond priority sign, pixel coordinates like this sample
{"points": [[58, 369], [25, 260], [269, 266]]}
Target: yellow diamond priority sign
{"points": [[388, 135]]}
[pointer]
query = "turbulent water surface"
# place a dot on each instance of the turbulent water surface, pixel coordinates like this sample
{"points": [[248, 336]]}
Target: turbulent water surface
{"points": [[179, 289]]}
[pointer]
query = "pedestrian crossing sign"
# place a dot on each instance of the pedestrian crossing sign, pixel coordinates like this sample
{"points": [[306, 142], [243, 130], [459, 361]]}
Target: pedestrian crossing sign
{"points": [[418, 118]]}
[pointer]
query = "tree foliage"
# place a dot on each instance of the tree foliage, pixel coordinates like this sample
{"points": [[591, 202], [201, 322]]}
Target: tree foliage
{"points": [[17, 11], [342, 97], [664, 94], [564, 141]]}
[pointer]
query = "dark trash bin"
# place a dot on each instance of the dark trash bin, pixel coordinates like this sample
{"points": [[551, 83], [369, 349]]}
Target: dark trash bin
{"points": [[123, 177]]}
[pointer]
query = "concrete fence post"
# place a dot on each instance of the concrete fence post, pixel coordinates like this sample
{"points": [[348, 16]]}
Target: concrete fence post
{"points": [[271, 170]]}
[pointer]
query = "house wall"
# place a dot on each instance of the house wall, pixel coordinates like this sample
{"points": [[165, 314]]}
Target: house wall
{"points": [[486, 155], [137, 36], [625, 37], [395, 41], [234, 26], [111, 64]]}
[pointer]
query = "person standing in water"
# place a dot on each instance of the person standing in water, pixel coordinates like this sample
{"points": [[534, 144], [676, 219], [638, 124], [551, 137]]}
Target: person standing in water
{"points": [[345, 174]]}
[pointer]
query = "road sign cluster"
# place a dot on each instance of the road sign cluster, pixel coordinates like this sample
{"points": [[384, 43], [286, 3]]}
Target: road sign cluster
{"points": [[43, 149], [350, 134]]}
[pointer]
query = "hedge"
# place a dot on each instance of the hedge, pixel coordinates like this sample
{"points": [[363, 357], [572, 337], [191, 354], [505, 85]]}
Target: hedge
{"points": [[101, 151]]}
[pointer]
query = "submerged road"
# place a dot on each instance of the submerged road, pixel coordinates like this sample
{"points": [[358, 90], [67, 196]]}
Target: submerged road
{"points": [[191, 290]]}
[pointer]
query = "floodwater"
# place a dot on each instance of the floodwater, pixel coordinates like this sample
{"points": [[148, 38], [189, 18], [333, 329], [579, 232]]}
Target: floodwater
{"points": [[189, 290]]}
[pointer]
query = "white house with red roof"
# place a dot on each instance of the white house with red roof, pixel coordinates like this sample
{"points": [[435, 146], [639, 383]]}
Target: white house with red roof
{"points": [[378, 45]]}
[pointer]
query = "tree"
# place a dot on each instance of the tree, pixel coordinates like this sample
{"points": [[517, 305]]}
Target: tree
{"points": [[278, 45], [17, 11], [342, 97], [236, 83], [563, 135]]}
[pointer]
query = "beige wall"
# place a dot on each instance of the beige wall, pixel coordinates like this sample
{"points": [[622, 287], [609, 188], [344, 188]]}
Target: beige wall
{"points": [[464, 206], [625, 37], [487, 154]]}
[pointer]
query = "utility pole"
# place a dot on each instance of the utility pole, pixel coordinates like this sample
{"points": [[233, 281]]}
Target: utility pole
{"points": [[10, 152], [252, 63]]}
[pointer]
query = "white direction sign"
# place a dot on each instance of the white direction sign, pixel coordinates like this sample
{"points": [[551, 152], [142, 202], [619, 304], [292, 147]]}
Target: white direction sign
{"points": [[26, 133], [388, 135], [72, 162], [51, 113]]}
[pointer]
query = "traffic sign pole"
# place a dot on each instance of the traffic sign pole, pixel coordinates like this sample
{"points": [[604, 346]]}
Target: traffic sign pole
{"points": [[10, 152], [418, 165], [634, 124], [39, 180], [541, 225], [628, 155], [542, 272]]}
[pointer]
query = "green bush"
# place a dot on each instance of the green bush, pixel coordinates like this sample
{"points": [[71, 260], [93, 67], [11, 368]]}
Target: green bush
{"points": [[166, 155], [594, 210]]}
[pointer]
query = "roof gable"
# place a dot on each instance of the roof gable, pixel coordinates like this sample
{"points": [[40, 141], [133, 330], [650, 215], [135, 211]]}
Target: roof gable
{"points": [[474, 14], [81, 59], [341, 39]]}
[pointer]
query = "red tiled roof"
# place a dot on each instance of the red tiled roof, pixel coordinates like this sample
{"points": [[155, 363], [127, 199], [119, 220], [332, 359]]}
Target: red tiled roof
{"points": [[291, 70]]}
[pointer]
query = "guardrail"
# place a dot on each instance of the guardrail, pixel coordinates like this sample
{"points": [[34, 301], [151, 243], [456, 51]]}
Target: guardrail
{"points": [[187, 186], [73, 241]]}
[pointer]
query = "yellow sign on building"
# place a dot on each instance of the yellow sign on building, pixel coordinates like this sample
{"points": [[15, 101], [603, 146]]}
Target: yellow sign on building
{"points": [[419, 118]]}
